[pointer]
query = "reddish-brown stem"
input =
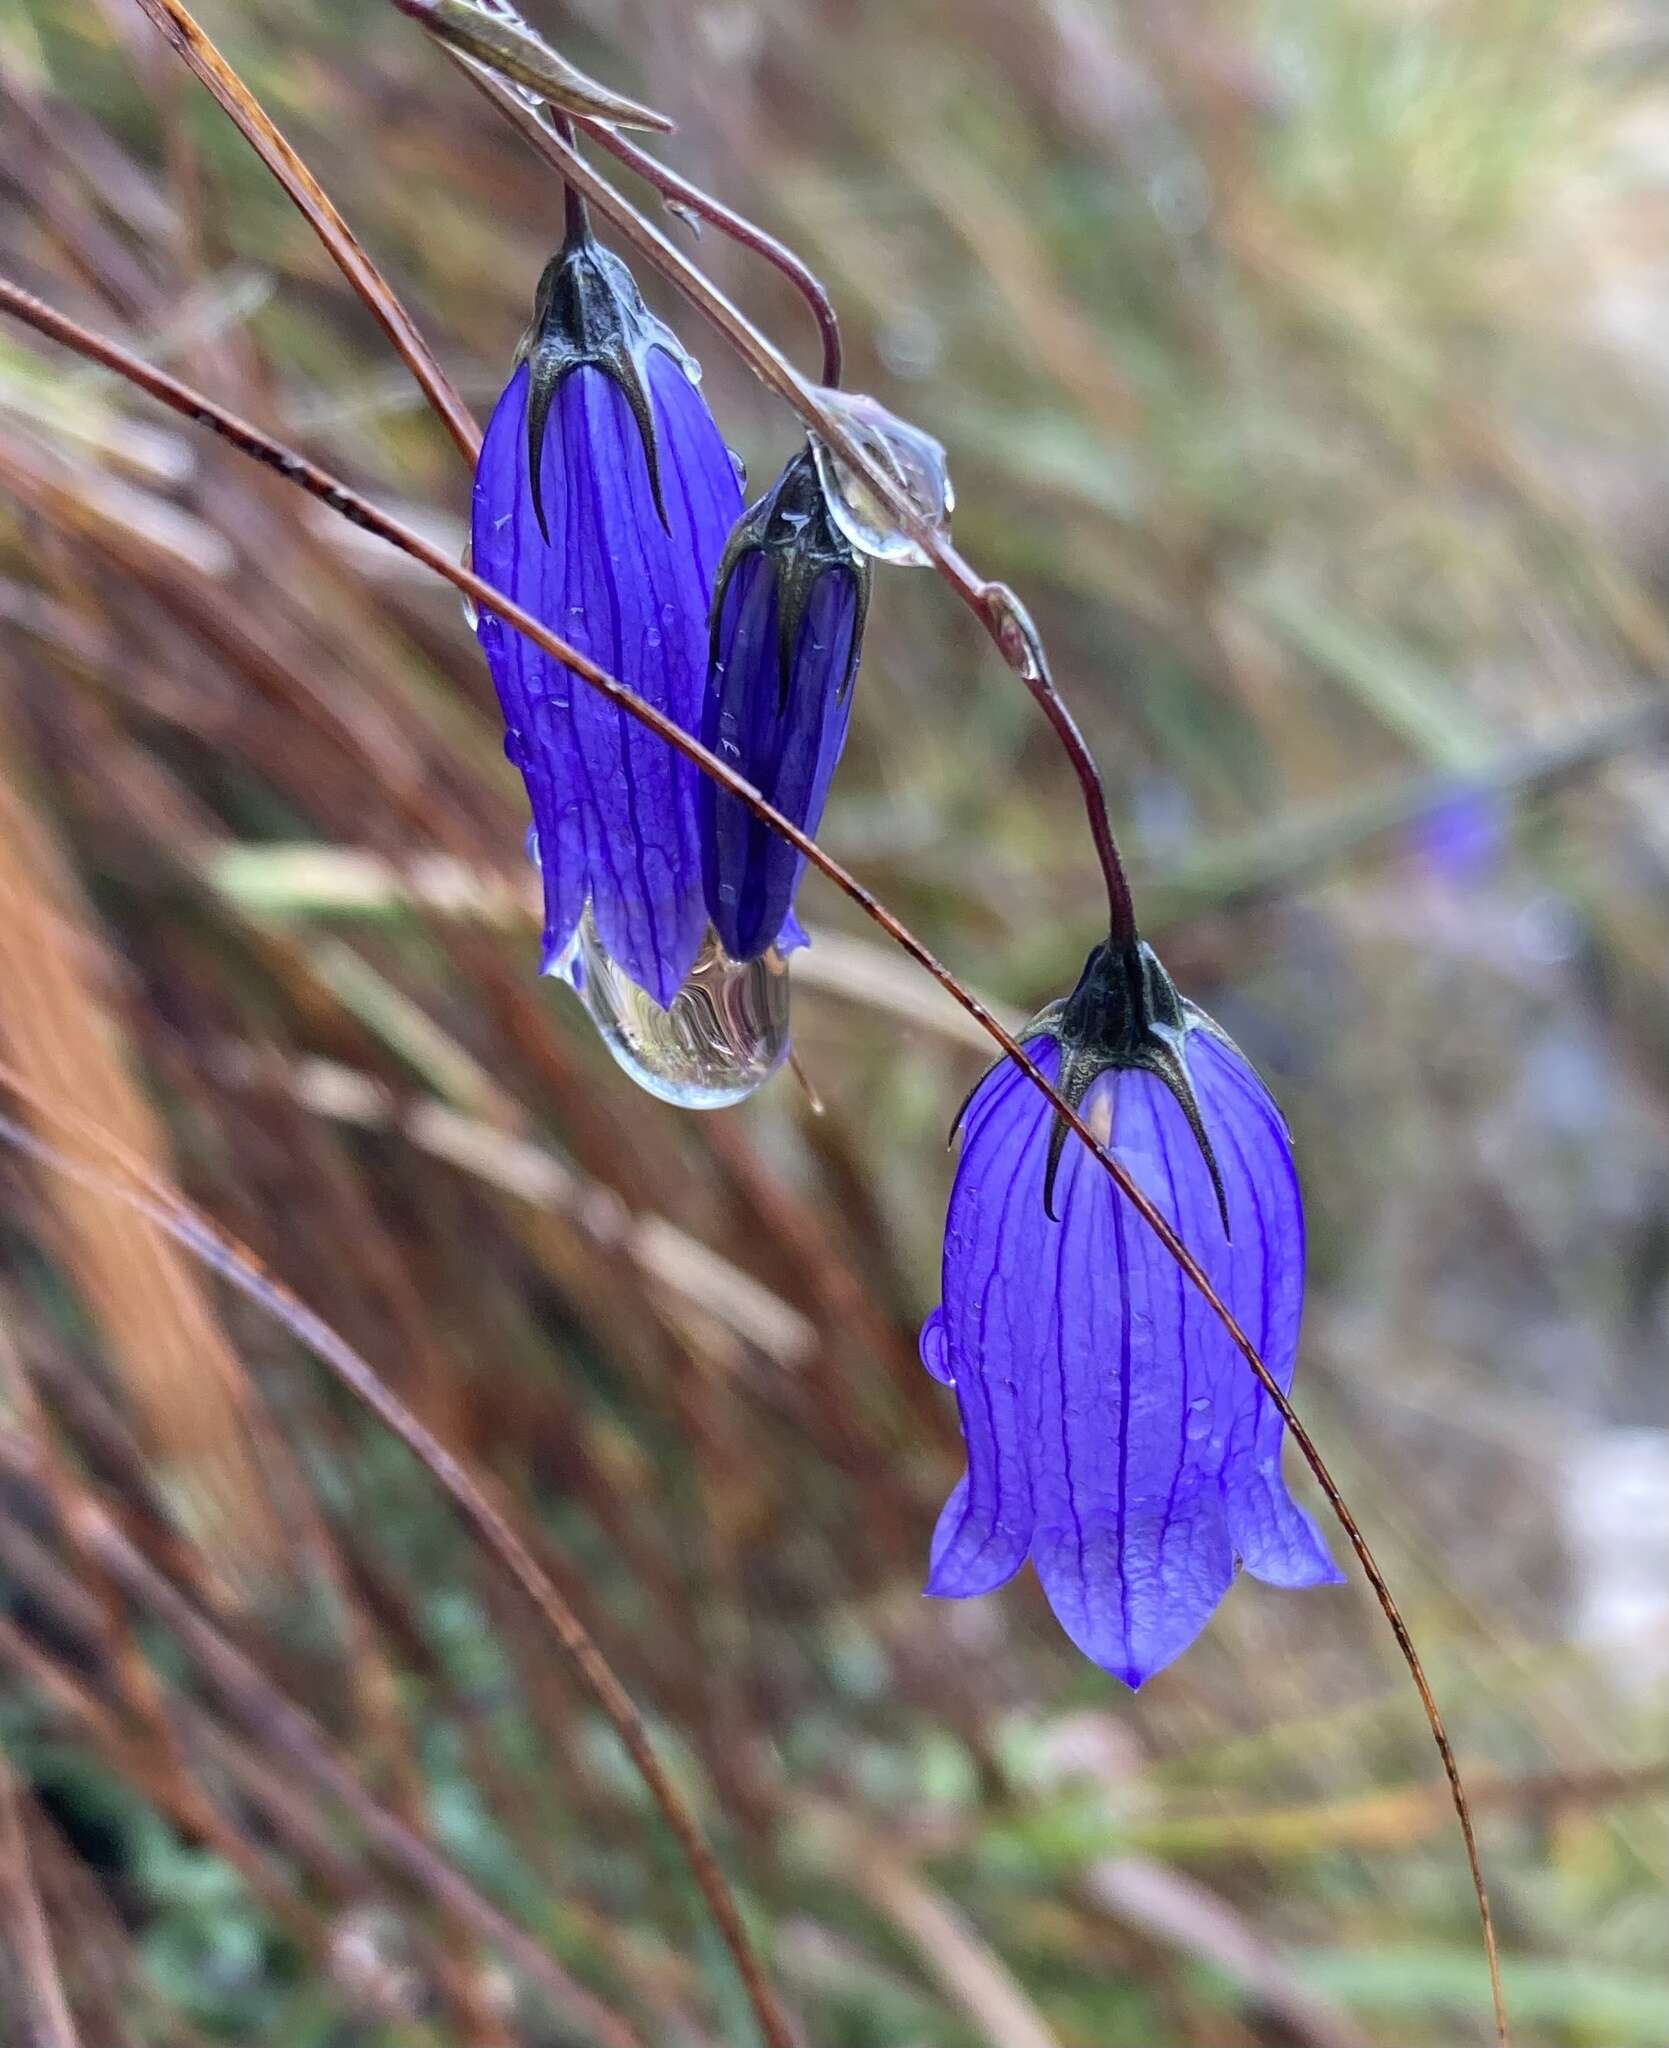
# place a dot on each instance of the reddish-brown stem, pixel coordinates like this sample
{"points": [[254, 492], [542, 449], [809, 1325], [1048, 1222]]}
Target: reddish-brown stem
{"points": [[296, 469], [170, 1212], [284, 1729], [683, 192]]}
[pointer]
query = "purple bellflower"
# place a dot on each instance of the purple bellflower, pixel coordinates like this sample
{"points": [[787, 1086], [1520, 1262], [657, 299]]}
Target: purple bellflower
{"points": [[1114, 1433], [603, 500], [786, 635]]}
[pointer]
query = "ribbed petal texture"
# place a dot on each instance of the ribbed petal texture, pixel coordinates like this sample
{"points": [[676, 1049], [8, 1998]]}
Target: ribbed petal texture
{"points": [[613, 806], [785, 741], [1114, 1432]]}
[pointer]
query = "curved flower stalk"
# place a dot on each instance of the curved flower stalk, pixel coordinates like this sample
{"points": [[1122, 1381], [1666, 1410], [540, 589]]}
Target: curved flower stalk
{"points": [[786, 637], [603, 501], [1113, 1433]]}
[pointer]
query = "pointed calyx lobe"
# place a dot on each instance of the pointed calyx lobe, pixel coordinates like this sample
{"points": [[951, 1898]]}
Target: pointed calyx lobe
{"points": [[589, 313], [1125, 1016], [1115, 1435], [787, 630], [603, 501]]}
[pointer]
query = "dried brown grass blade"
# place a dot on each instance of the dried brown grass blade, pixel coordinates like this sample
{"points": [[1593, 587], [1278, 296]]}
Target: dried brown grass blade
{"points": [[154, 1200], [311, 201], [288, 1733], [509, 47], [969, 1971], [196, 1407]]}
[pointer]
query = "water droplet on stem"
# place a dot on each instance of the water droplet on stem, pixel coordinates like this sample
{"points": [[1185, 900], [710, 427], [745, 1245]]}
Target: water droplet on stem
{"points": [[914, 461], [1017, 636]]}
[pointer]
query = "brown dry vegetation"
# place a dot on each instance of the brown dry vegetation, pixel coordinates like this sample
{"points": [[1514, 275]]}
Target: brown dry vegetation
{"points": [[1303, 364]]}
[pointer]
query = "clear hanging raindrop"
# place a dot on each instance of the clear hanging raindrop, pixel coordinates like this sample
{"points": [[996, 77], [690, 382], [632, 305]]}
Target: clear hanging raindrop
{"points": [[724, 1036], [915, 462]]}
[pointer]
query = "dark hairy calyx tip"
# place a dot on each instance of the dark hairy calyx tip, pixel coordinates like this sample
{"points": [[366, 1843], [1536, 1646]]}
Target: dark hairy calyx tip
{"points": [[588, 313], [792, 528], [1125, 1016]]}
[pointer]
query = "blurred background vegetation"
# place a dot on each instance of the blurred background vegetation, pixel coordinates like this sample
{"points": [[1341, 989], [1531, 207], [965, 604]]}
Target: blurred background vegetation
{"points": [[1305, 364]]}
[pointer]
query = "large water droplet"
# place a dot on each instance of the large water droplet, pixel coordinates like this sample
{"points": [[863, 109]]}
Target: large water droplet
{"points": [[914, 461], [724, 1036]]}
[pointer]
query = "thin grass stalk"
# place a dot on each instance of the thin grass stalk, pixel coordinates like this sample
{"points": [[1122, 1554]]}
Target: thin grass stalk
{"points": [[237, 1265], [316, 208], [281, 1725]]}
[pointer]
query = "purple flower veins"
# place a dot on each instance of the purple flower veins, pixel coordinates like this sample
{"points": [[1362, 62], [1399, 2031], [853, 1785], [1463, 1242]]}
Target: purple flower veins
{"points": [[1114, 1433], [603, 501], [787, 629]]}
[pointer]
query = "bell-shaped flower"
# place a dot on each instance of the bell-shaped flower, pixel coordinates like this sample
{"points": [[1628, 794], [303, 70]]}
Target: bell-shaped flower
{"points": [[603, 501], [1115, 1434], [786, 635]]}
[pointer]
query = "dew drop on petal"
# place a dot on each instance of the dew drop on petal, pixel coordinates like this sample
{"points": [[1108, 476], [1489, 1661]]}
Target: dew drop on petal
{"points": [[935, 1353], [914, 460], [724, 1036], [1198, 1426]]}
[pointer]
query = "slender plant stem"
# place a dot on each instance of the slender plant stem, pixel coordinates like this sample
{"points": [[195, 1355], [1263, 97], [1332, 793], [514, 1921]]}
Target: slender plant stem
{"points": [[206, 63], [684, 192], [194, 405]]}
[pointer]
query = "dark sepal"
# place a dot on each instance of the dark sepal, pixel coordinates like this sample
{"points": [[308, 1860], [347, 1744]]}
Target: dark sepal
{"points": [[588, 312], [1124, 1015], [791, 525]]}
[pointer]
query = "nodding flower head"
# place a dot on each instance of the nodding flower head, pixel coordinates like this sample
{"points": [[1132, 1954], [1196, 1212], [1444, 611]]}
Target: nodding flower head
{"points": [[787, 630], [603, 500], [1114, 1433]]}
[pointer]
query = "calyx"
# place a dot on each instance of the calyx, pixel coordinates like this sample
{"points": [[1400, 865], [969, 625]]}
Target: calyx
{"points": [[589, 313], [791, 526], [1125, 1016]]}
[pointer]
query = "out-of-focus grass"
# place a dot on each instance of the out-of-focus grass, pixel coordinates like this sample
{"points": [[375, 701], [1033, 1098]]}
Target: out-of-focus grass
{"points": [[1303, 365]]}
